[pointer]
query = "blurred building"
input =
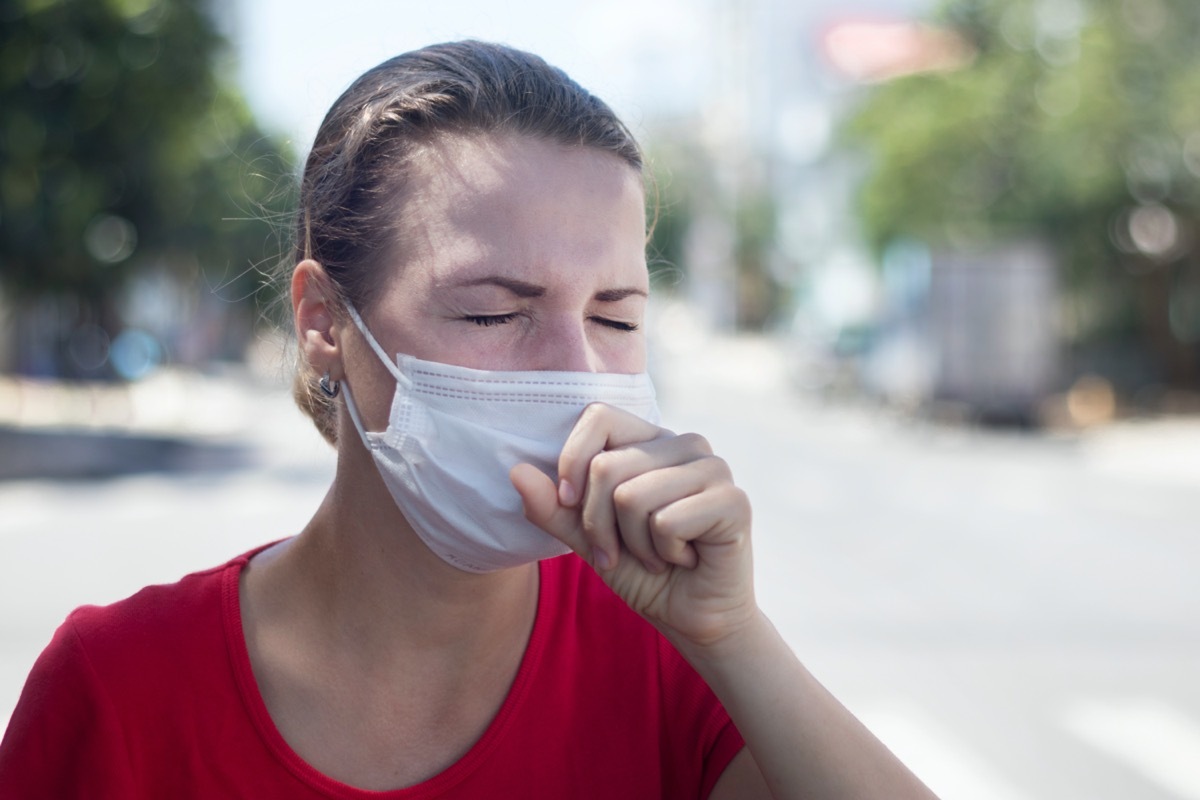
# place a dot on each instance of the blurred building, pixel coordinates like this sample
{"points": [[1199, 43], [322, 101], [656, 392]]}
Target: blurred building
{"points": [[767, 125], [976, 328]]}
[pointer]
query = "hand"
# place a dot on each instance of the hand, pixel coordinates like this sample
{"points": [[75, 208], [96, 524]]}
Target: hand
{"points": [[657, 516]]}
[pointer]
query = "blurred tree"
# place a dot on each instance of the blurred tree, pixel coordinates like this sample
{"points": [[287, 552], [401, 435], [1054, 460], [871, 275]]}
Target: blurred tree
{"points": [[759, 295], [124, 146], [670, 194], [685, 191], [1076, 123]]}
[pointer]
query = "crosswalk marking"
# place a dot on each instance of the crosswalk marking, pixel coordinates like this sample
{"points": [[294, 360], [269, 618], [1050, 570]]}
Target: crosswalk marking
{"points": [[1156, 739], [951, 770]]}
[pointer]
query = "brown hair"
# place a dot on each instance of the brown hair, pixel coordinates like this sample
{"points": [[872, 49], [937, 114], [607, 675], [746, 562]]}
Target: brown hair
{"points": [[355, 173]]}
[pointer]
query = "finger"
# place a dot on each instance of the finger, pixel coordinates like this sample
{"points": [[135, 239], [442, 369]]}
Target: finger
{"points": [[608, 471], [600, 427], [540, 499], [638, 501], [715, 523]]}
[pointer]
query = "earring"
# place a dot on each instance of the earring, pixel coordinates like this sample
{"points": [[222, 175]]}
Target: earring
{"points": [[329, 388]]}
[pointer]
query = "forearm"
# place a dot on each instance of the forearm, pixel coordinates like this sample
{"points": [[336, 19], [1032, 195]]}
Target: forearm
{"points": [[806, 744]]}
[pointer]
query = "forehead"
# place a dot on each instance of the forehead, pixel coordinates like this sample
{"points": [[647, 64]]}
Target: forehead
{"points": [[487, 166], [523, 205]]}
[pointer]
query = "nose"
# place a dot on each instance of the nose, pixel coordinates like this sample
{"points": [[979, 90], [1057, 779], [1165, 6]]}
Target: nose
{"points": [[565, 346]]}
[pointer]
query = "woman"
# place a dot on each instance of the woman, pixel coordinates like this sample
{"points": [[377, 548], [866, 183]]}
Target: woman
{"points": [[468, 292]]}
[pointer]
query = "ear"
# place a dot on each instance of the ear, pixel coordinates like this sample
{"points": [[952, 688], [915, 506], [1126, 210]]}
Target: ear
{"points": [[313, 297]]}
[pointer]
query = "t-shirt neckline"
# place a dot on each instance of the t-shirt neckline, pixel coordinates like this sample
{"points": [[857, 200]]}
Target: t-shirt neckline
{"points": [[435, 786]]}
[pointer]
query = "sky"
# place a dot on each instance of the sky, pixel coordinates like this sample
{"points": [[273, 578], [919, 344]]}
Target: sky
{"points": [[296, 56]]}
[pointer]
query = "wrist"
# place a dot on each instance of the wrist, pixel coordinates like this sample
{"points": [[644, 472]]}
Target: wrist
{"points": [[743, 643]]}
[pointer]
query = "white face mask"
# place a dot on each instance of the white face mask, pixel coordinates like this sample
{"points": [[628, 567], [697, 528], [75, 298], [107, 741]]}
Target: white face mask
{"points": [[454, 433]]}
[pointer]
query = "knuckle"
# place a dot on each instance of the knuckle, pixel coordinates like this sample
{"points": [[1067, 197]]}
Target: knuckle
{"points": [[662, 524], [587, 520], [602, 468], [593, 412], [592, 525], [696, 442], [739, 500], [718, 468], [625, 498]]}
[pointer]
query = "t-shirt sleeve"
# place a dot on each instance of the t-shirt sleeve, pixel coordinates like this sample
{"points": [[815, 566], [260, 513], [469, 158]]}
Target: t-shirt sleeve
{"points": [[704, 733], [726, 743], [65, 739]]}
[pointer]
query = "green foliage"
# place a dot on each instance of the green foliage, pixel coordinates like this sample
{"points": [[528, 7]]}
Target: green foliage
{"points": [[667, 213], [123, 145], [1073, 115], [759, 296], [672, 186], [684, 192]]}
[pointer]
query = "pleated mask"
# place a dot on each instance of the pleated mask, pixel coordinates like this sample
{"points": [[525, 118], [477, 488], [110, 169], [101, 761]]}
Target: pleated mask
{"points": [[454, 433]]}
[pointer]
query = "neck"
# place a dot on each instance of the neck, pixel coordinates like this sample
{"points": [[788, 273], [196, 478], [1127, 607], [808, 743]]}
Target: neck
{"points": [[360, 573]]}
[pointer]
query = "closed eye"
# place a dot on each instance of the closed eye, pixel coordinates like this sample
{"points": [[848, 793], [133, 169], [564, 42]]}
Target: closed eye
{"points": [[494, 319], [617, 324]]}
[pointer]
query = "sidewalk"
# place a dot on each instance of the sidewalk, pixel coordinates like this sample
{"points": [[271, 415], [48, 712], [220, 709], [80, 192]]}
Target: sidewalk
{"points": [[175, 420]]}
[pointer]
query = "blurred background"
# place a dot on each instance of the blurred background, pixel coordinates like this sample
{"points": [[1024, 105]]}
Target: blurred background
{"points": [[927, 274]]}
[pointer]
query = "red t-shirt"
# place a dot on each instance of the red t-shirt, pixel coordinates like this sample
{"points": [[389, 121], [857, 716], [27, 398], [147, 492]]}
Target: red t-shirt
{"points": [[154, 697]]}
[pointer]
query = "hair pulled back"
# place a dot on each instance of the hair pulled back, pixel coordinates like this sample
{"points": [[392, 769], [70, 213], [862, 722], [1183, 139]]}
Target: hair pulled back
{"points": [[354, 177]]}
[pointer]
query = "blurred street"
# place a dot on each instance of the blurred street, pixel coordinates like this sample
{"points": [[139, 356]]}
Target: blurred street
{"points": [[1015, 614]]}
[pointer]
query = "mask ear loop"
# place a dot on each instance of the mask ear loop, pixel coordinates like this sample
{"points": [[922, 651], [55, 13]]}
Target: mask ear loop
{"points": [[387, 362], [354, 417]]}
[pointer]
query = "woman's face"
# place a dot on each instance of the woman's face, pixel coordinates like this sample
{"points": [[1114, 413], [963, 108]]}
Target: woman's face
{"points": [[518, 254]]}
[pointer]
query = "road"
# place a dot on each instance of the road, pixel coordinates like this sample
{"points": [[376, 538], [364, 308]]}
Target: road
{"points": [[1016, 615]]}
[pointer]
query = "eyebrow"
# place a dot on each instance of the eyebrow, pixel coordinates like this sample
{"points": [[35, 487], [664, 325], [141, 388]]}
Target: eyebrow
{"points": [[613, 295], [525, 289], [519, 288]]}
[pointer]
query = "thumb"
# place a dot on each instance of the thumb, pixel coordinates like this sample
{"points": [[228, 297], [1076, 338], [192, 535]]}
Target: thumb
{"points": [[540, 498]]}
